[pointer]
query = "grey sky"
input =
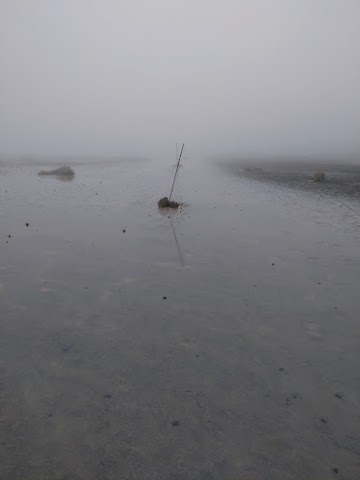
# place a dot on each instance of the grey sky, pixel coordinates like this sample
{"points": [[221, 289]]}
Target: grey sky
{"points": [[135, 76]]}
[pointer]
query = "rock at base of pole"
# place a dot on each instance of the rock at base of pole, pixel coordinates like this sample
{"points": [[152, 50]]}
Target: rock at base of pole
{"points": [[165, 203]]}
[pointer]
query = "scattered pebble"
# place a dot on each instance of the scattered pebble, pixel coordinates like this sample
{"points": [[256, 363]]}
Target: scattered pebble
{"points": [[175, 423], [291, 399], [124, 231], [323, 420], [26, 224], [108, 395], [283, 370], [335, 470], [9, 236], [164, 298], [338, 395], [273, 264]]}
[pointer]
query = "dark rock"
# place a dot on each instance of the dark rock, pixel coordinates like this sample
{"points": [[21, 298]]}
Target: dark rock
{"points": [[26, 224], [175, 423], [108, 395], [283, 370], [124, 231], [164, 203], [164, 298], [335, 470], [338, 395], [59, 172], [323, 420]]}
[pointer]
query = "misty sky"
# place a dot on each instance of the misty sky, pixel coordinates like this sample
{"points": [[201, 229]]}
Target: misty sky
{"points": [[136, 76]]}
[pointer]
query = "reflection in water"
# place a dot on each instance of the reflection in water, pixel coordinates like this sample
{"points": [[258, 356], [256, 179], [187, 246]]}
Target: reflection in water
{"points": [[181, 258], [62, 178]]}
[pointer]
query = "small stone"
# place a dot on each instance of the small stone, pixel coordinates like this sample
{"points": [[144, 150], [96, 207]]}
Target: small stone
{"points": [[273, 264], [338, 395], [335, 470], [283, 370], [164, 298], [124, 231], [9, 236], [175, 423], [26, 224], [108, 395], [323, 420]]}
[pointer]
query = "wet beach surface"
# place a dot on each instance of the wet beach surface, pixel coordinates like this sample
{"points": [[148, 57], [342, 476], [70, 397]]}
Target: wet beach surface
{"points": [[217, 342]]}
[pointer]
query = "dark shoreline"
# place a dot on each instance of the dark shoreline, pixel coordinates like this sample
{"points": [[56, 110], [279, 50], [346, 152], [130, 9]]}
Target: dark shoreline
{"points": [[341, 179]]}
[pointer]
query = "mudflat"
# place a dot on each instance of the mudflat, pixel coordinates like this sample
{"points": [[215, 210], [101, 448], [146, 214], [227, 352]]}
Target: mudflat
{"points": [[218, 341]]}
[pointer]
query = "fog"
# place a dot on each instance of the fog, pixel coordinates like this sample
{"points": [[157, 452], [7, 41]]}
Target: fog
{"points": [[133, 77]]}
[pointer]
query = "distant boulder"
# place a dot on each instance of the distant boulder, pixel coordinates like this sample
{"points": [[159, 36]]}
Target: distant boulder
{"points": [[319, 177], [59, 172], [253, 169]]}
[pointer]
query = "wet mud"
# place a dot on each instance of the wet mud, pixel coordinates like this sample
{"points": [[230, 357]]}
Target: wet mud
{"points": [[218, 342]]}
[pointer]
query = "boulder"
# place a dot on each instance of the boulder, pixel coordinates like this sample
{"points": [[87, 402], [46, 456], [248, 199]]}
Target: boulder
{"points": [[165, 203], [59, 172], [319, 177]]}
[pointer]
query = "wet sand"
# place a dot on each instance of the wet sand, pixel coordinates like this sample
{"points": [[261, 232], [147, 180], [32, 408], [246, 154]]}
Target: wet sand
{"points": [[217, 342]]}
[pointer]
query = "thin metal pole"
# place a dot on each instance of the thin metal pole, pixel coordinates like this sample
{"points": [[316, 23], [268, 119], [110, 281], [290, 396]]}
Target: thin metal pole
{"points": [[177, 168]]}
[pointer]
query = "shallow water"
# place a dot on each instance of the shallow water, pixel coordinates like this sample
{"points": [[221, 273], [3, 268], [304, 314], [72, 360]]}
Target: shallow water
{"points": [[247, 369]]}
